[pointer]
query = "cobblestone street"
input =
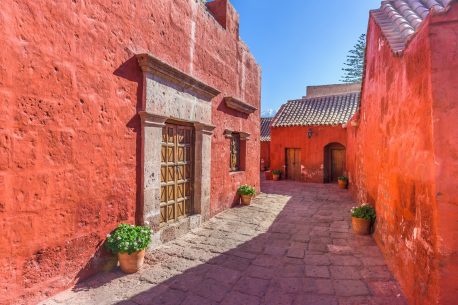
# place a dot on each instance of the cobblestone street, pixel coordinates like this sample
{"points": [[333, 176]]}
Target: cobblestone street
{"points": [[293, 245]]}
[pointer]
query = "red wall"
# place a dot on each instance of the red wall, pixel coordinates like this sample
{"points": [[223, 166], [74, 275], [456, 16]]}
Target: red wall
{"points": [[312, 150], [69, 133], [265, 153], [444, 60], [403, 156]]}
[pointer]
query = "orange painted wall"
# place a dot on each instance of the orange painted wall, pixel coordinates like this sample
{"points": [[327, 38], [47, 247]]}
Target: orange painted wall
{"points": [[312, 150], [403, 156], [265, 153], [70, 89]]}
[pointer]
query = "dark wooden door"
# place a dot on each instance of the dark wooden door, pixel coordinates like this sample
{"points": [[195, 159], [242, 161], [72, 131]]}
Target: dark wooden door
{"points": [[293, 164], [176, 172], [337, 163]]}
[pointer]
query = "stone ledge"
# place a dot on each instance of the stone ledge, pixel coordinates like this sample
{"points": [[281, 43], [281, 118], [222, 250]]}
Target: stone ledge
{"points": [[238, 105], [234, 173], [244, 136]]}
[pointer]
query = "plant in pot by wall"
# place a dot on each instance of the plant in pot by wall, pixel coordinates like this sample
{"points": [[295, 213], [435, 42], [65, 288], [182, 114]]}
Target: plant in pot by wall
{"points": [[246, 193], [343, 182], [129, 243], [276, 173], [362, 218]]}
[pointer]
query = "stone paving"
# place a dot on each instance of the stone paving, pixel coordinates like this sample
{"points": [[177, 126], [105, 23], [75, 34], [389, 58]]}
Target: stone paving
{"points": [[293, 245]]}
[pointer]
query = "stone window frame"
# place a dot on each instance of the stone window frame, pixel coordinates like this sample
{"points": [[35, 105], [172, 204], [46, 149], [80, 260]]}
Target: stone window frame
{"points": [[242, 137], [235, 147]]}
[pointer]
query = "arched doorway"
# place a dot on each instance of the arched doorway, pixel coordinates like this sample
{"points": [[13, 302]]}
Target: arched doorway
{"points": [[334, 162]]}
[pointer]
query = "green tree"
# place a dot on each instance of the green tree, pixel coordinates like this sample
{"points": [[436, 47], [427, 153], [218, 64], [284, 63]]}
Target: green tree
{"points": [[354, 66]]}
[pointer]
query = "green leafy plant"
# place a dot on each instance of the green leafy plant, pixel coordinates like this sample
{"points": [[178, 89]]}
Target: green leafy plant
{"points": [[128, 239], [246, 190], [343, 178], [276, 172], [365, 211]]}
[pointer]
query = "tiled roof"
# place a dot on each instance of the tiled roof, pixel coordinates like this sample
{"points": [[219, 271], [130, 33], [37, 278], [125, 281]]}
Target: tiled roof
{"points": [[399, 19], [265, 129], [323, 110]]}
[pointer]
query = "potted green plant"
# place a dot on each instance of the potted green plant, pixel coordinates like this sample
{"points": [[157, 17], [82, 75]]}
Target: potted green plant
{"points": [[362, 218], [246, 193], [276, 173], [129, 243], [343, 182]]}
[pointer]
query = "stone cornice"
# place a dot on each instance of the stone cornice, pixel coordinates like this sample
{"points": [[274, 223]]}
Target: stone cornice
{"points": [[228, 133], [152, 120], [238, 105], [204, 128], [151, 64], [244, 136]]}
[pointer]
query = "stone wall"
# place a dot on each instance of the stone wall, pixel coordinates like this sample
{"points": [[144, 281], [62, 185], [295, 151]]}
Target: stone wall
{"points": [[402, 156], [312, 150], [324, 90], [70, 135]]}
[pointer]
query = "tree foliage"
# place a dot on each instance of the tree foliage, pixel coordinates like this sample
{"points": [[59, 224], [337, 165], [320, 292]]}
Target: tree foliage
{"points": [[354, 65]]}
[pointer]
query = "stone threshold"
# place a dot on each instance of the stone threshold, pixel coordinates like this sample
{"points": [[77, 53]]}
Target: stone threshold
{"points": [[175, 230]]}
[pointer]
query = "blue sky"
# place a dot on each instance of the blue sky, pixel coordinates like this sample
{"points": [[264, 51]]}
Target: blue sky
{"points": [[300, 42]]}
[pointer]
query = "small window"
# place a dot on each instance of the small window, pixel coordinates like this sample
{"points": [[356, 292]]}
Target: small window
{"points": [[234, 164]]}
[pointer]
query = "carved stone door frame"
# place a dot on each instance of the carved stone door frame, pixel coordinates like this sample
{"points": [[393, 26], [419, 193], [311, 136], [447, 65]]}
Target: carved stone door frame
{"points": [[170, 94]]}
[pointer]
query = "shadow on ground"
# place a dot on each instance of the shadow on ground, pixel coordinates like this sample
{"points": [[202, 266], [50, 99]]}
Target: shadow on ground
{"points": [[293, 245]]}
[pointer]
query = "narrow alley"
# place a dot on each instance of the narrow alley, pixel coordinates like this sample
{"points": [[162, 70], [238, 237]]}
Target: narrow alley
{"points": [[293, 245]]}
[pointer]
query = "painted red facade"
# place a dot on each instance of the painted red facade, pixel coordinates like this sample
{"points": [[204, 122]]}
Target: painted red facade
{"points": [[70, 90], [265, 155], [403, 156], [312, 149]]}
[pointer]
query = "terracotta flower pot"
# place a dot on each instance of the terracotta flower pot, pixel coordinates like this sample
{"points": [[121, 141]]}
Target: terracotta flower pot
{"points": [[131, 263], [246, 199], [361, 226], [342, 184], [275, 177]]}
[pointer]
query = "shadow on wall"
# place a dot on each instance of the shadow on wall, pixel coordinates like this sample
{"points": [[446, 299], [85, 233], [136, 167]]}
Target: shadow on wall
{"points": [[131, 71], [103, 260], [223, 108]]}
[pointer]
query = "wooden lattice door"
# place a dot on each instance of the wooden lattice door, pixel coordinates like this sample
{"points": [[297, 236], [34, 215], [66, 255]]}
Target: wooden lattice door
{"points": [[176, 172]]}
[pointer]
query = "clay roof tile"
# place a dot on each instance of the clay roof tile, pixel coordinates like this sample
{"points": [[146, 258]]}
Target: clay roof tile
{"points": [[323, 110], [265, 129], [399, 19]]}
